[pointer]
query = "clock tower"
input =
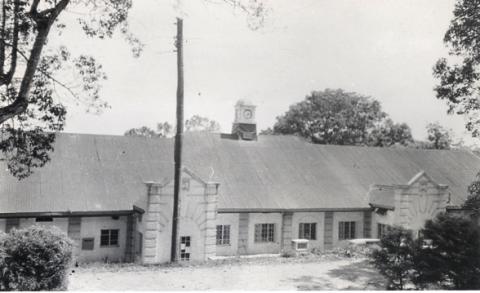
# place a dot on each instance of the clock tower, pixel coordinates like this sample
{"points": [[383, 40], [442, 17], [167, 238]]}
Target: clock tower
{"points": [[244, 127]]}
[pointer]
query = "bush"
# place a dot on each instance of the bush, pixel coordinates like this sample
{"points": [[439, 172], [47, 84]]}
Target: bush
{"points": [[452, 261], [394, 259], [35, 258]]}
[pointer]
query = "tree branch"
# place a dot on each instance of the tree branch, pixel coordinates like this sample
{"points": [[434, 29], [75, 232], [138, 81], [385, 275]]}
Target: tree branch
{"points": [[13, 61], [20, 104], [2, 34]]}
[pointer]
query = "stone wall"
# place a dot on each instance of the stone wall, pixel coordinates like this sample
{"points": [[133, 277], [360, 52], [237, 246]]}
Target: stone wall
{"points": [[197, 214]]}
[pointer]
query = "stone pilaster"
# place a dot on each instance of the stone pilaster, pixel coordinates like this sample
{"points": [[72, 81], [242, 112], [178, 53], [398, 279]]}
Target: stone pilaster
{"points": [[152, 224], [211, 197]]}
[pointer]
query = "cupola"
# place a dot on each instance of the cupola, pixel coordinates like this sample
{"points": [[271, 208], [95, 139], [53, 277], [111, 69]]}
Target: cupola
{"points": [[244, 127]]}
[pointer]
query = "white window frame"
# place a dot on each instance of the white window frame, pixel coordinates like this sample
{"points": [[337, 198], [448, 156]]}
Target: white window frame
{"points": [[345, 231], [110, 242], [264, 233], [307, 227], [223, 234]]}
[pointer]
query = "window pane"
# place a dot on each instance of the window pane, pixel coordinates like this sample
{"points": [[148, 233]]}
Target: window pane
{"points": [[313, 231], [341, 230], [105, 237], [258, 228], [226, 234], [219, 234], [271, 232], [352, 230]]}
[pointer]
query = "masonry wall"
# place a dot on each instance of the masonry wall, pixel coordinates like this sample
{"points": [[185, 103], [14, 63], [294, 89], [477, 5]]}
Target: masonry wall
{"points": [[197, 214], [264, 247], [232, 248], [88, 227], [357, 217], [91, 227], [311, 217], [286, 228]]}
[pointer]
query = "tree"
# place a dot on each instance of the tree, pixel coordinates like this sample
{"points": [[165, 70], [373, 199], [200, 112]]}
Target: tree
{"points": [[163, 130], [141, 131], [438, 137], [389, 134], [459, 75], [193, 124], [452, 261], [473, 200], [343, 118], [199, 123], [394, 259]]}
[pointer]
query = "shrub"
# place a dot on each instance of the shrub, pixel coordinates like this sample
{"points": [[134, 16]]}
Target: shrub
{"points": [[452, 261], [394, 259], [35, 258]]}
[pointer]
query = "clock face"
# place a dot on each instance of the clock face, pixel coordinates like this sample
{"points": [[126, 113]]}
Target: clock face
{"points": [[247, 114]]}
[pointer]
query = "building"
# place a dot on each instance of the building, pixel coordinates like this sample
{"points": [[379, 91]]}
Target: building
{"points": [[240, 193]]}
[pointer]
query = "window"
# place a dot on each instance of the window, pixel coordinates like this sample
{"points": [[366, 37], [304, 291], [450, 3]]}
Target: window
{"points": [[109, 237], [139, 245], [185, 248], [264, 232], [346, 230], [381, 230], [307, 231], [223, 234], [44, 219], [87, 243]]}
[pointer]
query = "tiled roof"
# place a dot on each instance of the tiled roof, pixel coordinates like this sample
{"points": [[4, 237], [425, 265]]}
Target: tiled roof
{"points": [[95, 173]]}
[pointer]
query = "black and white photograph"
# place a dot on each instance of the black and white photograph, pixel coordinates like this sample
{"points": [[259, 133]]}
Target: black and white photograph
{"points": [[227, 145]]}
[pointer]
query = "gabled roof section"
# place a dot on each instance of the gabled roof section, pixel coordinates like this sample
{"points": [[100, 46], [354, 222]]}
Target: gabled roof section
{"points": [[423, 174], [186, 170], [383, 196]]}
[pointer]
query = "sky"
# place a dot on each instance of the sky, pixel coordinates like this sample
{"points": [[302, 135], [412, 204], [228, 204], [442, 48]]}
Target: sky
{"points": [[384, 49]]}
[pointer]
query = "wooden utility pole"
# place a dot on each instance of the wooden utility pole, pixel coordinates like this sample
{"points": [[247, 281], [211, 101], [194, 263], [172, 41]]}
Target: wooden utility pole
{"points": [[178, 139]]}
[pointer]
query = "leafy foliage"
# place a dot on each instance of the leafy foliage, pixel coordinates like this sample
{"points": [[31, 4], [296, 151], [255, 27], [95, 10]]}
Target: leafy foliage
{"points": [[34, 258], [473, 199], [459, 75], [342, 118], [193, 124], [438, 137], [394, 259], [33, 75], [199, 123], [388, 134], [453, 260], [446, 255]]}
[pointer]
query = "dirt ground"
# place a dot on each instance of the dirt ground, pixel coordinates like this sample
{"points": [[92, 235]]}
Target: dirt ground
{"points": [[278, 273]]}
